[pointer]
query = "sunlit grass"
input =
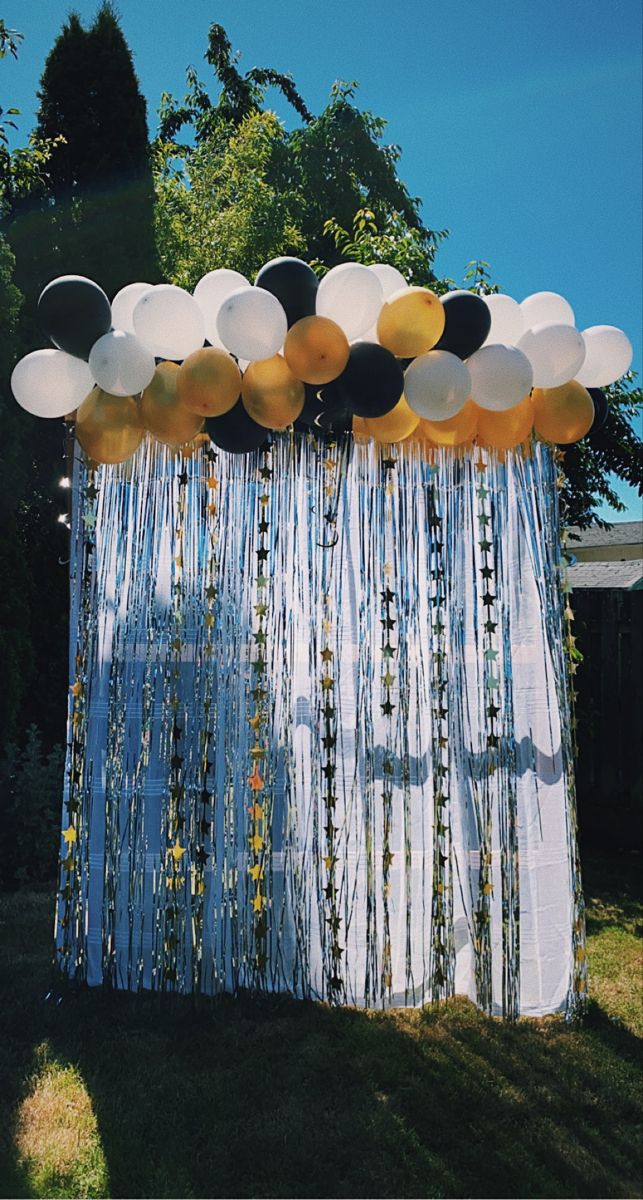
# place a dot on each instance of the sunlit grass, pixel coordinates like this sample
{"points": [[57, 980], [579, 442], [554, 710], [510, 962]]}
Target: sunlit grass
{"points": [[58, 1146]]}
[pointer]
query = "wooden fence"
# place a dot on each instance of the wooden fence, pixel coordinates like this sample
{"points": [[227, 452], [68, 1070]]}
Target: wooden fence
{"points": [[609, 631]]}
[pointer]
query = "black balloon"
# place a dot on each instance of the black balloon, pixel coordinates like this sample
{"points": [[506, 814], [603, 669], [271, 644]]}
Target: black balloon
{"points": [[370, 384], [324, 412], [294, 284], [601, 410], [74, 312], [467, 323], [236, 431]]}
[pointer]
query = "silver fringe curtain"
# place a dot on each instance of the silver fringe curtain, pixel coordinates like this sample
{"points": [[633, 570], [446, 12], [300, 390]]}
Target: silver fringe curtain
{"points": [[319, 728]]}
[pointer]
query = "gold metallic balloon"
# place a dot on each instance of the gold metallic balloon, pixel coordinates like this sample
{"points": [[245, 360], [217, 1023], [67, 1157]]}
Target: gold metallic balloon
{"points": [[394, 426], [209, 382], [162, 413], [455, 431], [507, 428], [563, 414], [109, 428], [411, 322], [271, 394], [316, 350]]}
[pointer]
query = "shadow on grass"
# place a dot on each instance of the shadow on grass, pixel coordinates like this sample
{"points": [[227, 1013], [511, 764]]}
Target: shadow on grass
{"points": [[248, 1097]]}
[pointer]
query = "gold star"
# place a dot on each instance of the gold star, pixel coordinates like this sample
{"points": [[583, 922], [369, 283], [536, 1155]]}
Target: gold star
{"points": [[256, 872], [177, 851], [255, 781], [211, 482], [256, 842], [326, 654], [69, 835], [258, 902], [388, 680], [76, 688], [256, 812], [327, 682]]}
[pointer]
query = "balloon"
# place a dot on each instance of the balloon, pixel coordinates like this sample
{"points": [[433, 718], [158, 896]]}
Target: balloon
{"points": [[601, 409], [109, 428], [563, 414], [467, 323], [390, 279], [50, 383], [161, 411], [411, 322], [394, 426], [293, 283], [351, 295], [500, 377], [235, 431], [323, 411], [436, 385], [508, 428], [74, 312], [209, 382], [370, 384], [252, 324], [507, 322], [556, 353], [210, 292], [455, 431], [608, 354], [546, 308], [121, 364], [271, 394], [125, 302], [169, 321], [316, 350]]}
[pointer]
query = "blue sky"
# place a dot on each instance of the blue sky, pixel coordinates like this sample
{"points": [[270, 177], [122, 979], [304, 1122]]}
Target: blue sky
{"points": [[520, 122]]}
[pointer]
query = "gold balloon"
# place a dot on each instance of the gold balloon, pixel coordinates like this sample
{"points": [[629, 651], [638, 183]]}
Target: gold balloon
{"points": [[508, 428], [271, 394], [162, 413], [394, 426], [563, 414], [455, 431], [109, 428], [316, 350], [209, 382], [411, 322]]}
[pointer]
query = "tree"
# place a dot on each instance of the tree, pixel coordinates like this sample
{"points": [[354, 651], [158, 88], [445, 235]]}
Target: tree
{"points": [[92, 213], [245, 171], [77, 199]]}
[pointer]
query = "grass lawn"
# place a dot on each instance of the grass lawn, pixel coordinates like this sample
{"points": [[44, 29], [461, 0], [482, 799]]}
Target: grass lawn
{"points": [[117, 1095]]}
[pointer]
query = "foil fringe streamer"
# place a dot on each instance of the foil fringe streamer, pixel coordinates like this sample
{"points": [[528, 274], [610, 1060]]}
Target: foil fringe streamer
{"points": [[375, 640]]}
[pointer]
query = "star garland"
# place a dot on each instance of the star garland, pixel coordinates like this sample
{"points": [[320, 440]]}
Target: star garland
{"points": [[491, 685], [258, 799], [72, 941], [441, 904], [388, 679], [175, 867], [203, 810], [328, 723]]}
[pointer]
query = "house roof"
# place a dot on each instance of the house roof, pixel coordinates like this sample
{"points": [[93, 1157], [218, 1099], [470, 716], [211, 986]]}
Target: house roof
{"points": [[625, 573], [623, 533]]}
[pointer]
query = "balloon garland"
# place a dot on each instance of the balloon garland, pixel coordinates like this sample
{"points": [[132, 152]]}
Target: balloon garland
{"points": [[359, 349]]}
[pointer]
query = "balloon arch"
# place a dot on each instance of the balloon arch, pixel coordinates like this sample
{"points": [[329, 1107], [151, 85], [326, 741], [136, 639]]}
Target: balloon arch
{"points": [[319, 717]]}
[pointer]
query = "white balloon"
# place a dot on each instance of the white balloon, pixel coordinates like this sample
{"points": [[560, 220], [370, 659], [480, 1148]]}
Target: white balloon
{"points": [[501, 376], [125, 302], [546, 308], [121, 364], [507, 322], [51, 383], [390, 278], [210, 292], [608, 354], [252, 323], [556, 353], [169, 322], [437, 385], [351, 295]]}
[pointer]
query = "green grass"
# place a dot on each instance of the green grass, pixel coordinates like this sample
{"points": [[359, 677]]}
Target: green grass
{"points": [[117, 1095]]}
